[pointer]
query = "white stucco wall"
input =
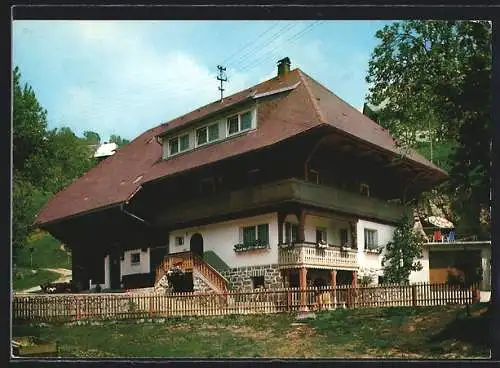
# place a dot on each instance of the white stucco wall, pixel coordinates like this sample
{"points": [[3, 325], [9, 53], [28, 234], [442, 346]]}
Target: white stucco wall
{"points": [[332, 227], [126, 267], [423, 274], [370, 263], [221, 238]]}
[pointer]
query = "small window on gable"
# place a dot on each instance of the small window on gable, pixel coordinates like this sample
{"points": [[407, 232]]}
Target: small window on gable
{"points": [[364, 189], [135, 259], [174, 146], [232, 125], [179, 240], [184, 142]]}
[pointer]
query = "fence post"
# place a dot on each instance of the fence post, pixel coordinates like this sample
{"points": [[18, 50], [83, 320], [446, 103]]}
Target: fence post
{"points": [[414, 295]]}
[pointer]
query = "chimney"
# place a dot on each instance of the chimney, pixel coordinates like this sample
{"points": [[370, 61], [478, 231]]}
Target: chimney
{"points": [[283, 66]]}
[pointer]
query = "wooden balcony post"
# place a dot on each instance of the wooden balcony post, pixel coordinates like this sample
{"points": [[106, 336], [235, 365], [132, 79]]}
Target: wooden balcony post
{"points": [[303, 286], [333, 284]]}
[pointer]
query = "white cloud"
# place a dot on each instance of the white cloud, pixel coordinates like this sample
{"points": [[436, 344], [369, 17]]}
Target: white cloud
{"points": [[139, 86]]}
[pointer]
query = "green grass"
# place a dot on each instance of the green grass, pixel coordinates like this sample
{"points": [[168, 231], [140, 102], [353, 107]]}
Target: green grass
{"points": [[24, 279], [439, 332], [47, 253], [215, 261]]}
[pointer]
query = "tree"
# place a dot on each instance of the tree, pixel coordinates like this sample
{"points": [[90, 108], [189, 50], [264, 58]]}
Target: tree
{"points": [[91, 137], [402, 254], [118, 140], [29, 123], [45, 161], [435, 76]]}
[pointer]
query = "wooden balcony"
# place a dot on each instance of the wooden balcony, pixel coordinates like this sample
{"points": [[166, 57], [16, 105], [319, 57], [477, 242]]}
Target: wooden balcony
{"points": [[308, 255], [289, 190]]}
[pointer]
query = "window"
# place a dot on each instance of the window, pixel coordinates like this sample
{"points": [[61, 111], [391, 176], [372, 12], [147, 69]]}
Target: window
{"points": [[184, 142], [179, 240], [291, 232], [258, 282], [246, 120], [232, 125], [135, 259], [364, 189], [313, 176], [371, 241], [201, 136], [239, 123], [207, 134], [320, 235], [252, 233], [213, 132], [174, 146], [344, 238]]}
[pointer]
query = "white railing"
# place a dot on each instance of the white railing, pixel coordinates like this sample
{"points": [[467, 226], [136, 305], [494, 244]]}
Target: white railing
{"points": [[311, 256]]}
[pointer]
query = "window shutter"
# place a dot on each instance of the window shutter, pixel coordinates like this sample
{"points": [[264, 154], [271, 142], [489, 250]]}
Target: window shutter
{"points": [[248, 235], [263, 233], [295, 232]]}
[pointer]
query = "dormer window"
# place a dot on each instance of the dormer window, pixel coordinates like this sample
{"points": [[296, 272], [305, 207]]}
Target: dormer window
{"points": [[239, 123], [206, 134], [179, 144]]}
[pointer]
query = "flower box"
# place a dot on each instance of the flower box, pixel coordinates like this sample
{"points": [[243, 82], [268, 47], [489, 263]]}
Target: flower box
{"points": [[257, 244], [31, 346]]}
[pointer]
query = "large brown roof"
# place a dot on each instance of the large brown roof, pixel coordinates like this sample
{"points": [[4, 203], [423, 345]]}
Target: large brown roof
{"points": [[307, 104]]}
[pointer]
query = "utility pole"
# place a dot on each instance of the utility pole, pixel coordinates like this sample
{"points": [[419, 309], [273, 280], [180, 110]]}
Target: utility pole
{"points": [[222, 78]]}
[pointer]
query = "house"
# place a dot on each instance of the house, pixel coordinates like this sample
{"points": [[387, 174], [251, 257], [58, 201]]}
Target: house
{"points": [[281, 184]]}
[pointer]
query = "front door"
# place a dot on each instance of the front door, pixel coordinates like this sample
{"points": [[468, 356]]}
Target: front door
{"points": [[196, 245], [114, 269]]}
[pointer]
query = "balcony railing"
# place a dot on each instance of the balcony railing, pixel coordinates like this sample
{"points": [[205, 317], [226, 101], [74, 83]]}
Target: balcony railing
{"points": [[309, 255]]}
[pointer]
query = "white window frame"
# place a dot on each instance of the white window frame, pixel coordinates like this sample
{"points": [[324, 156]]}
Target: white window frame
{"points": [[207, 127], [252, 114], [375, 241], [364, 186], [132, 263], [179, 149], [324, 231], [289, 234], [177, 243]]}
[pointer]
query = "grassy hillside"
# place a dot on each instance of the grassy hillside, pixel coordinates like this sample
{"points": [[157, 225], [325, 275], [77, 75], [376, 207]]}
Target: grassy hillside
{"points": [[47, 253], [26, 278], [425, 332]]}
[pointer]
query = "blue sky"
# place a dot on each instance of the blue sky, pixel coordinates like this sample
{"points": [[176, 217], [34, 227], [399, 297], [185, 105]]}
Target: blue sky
{"points": [[124, 77]]}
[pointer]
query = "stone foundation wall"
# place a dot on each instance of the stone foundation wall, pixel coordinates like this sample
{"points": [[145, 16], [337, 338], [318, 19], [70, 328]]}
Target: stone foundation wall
{"points": [[240, 279], [200, 285]]}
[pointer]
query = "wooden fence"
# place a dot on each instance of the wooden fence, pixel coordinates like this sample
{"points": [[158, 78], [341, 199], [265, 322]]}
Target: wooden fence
{"points": [[102, 306]]}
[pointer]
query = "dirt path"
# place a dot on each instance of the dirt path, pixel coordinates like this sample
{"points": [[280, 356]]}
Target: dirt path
{"points": [[64, 276]]}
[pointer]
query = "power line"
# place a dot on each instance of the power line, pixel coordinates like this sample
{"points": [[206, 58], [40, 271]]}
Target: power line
{"points": [[291, 40], [271, 39], [225, 61]]}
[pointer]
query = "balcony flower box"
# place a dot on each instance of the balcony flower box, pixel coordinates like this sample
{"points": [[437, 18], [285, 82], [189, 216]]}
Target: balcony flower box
{"points": [[257, 244], [322, 245]]}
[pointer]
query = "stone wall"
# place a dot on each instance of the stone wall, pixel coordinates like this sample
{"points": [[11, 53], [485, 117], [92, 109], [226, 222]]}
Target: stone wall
{"points": [[240, 279], [200, 285]]}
